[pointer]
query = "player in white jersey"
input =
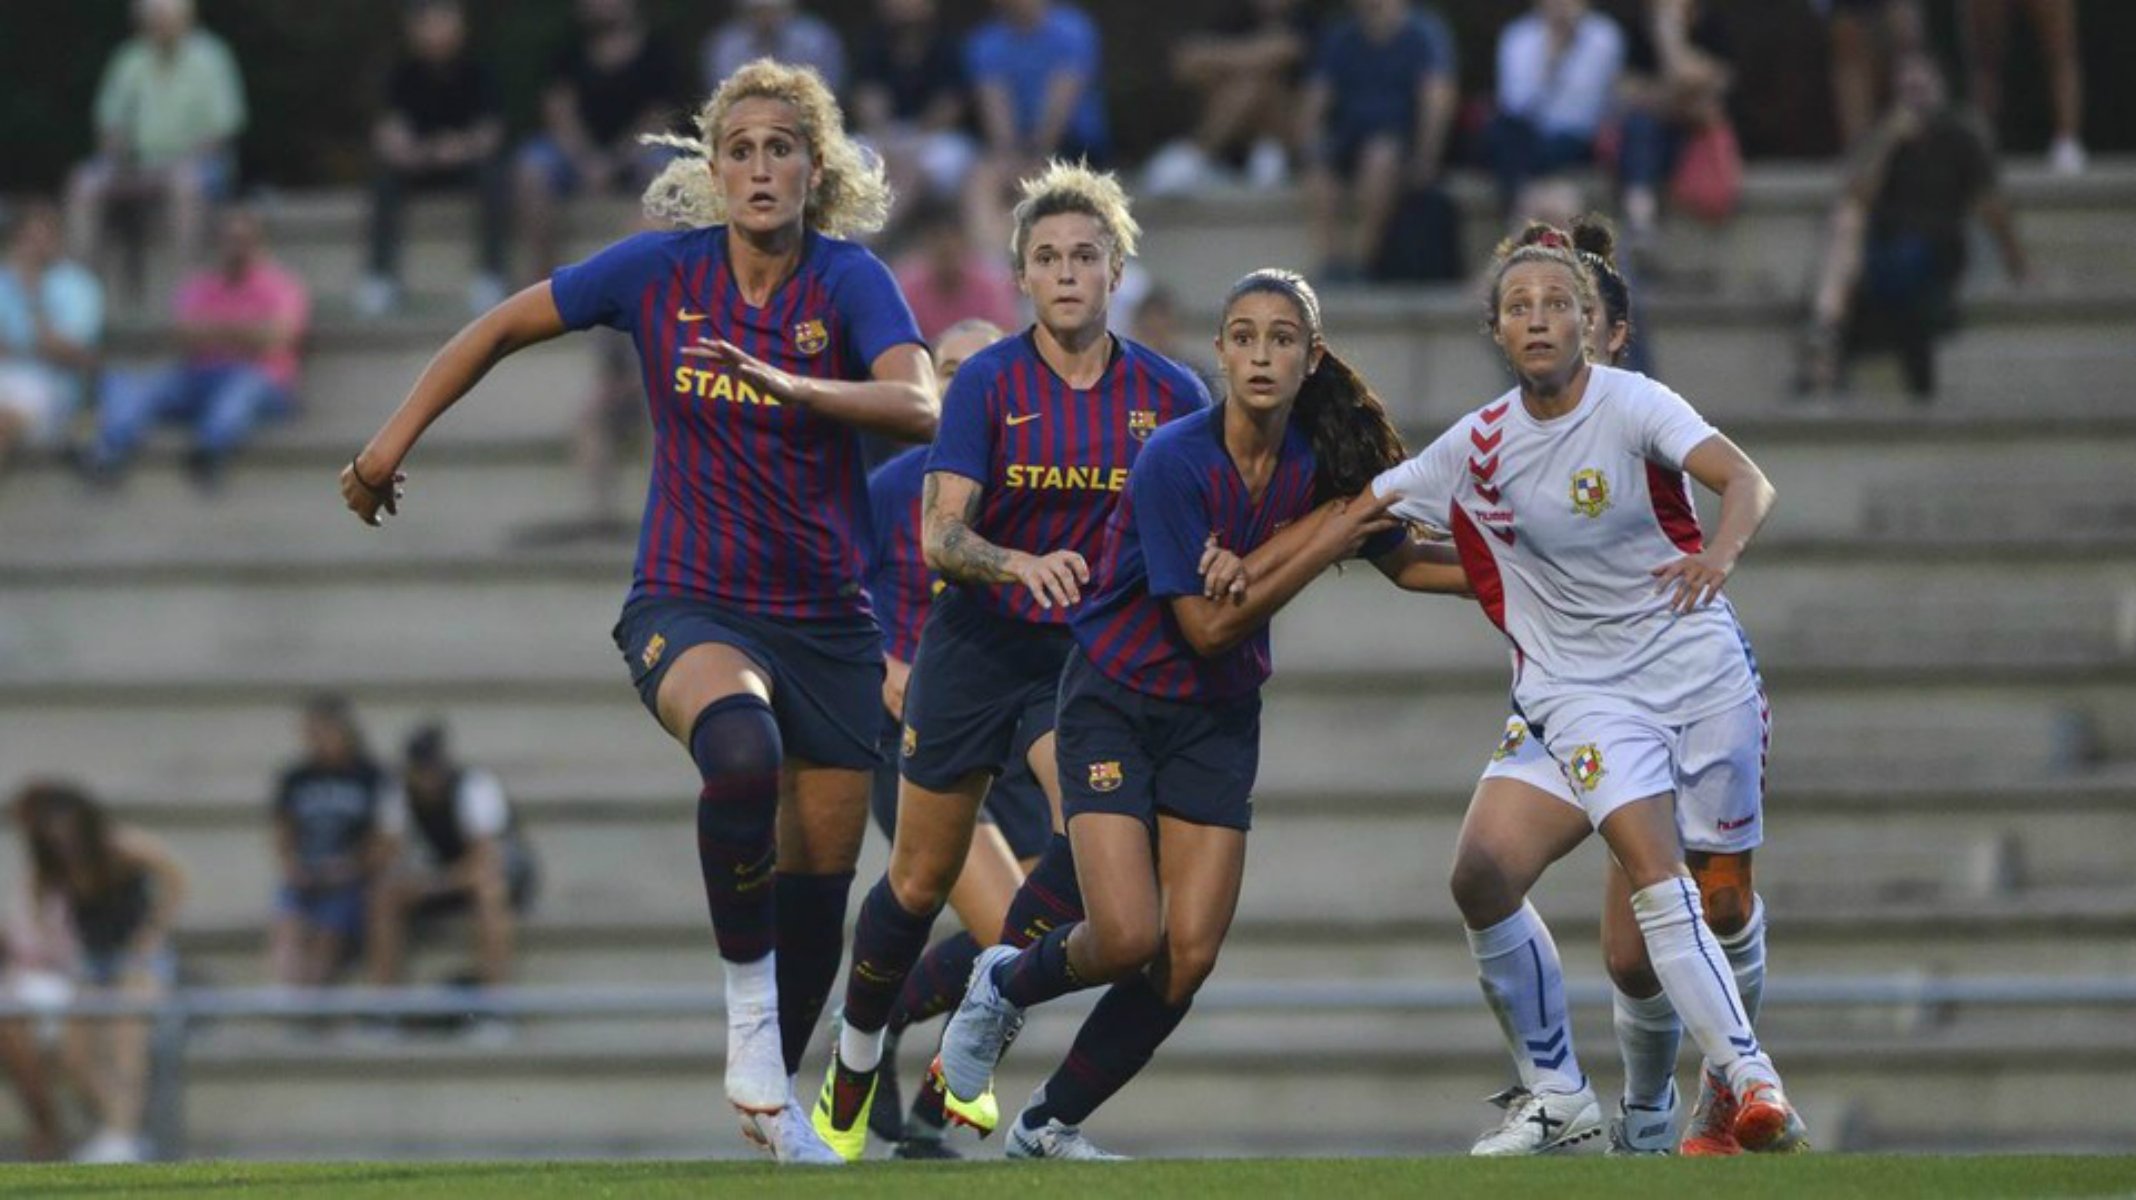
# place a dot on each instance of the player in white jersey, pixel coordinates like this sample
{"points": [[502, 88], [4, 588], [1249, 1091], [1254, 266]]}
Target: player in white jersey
{"points": [[1720, 826], [1566, 499]]}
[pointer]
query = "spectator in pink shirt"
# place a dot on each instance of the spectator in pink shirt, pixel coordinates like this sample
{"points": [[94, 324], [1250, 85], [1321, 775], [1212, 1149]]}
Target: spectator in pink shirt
{"points": [[239, 324], [946, 280]]}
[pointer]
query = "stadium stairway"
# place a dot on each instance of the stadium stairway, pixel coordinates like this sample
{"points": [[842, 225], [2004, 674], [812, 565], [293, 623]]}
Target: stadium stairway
{"points": [[1945, 605]]}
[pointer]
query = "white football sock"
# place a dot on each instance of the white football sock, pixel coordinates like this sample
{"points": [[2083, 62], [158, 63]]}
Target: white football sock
{"points": [[752, 985], [1524, 984], [1648, 1035], [1690, 965], [1745, 949], [859, 1049]]}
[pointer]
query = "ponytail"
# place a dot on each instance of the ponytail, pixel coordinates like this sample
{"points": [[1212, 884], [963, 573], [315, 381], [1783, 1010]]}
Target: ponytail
{"points": [[1352, 439]]}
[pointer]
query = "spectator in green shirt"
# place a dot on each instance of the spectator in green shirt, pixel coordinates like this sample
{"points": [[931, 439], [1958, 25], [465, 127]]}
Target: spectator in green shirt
{"points": [[168, 113]]}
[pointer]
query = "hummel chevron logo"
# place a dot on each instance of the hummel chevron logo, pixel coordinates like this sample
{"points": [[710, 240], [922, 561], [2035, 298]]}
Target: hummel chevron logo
{"points": [[1556, 1042], [1503, 535], [1484, 445], [1491, 416], [1483, 471], [1489, 493]]}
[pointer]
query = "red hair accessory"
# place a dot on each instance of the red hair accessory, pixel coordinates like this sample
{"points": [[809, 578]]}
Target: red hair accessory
{"points": [[1552, 239]]}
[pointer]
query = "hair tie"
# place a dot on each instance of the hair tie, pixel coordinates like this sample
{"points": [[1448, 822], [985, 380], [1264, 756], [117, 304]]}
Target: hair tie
{"points": [[1552, 239]]}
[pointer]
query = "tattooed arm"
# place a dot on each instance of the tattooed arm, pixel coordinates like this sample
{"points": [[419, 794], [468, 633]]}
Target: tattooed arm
{"points": [[949, 505]]}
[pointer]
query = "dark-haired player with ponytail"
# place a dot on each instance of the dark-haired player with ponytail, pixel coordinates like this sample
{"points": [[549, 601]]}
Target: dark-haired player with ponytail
{"points": [[1569, 503], [1160, 706]]}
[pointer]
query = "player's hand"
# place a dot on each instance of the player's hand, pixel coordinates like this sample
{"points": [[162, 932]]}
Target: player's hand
{"points": [[896, 674], [1054, 579], [1355, 520], [368, 496], [1694, 579], [1223, 573], [754, 371]]}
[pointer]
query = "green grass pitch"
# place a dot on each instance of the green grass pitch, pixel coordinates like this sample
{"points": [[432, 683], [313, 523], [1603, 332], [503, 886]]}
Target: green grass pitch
{"points": [[1875, 1177]]}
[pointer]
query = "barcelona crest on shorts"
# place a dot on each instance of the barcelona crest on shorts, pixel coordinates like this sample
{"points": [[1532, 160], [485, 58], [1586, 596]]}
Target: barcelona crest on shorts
{"points": [[911, 744], [653, 650], [1590, 492], [1585, 770], [1516, 733], [1105, 777], [810, 337], [1142, 422]]}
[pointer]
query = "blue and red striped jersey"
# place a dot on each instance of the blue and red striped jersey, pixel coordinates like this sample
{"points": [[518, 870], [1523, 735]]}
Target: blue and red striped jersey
{"points": [[753, 503], [898, 579], [1184, 488], [1052, 459]]}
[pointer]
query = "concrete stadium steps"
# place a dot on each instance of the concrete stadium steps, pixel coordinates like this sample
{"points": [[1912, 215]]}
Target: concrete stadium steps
{"points": [[1318, 859], [1227, 1083], [1899, 486], [1801, 612], [1772, 247], [1338, 732], [1424, 350]]}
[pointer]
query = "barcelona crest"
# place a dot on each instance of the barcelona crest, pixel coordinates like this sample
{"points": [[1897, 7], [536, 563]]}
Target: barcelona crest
{"points": [[1590, 492], [911, 743], [1585, 770], [653, 650], [1516, 733], [1142, 422], [810, 337], [1105, 777]]}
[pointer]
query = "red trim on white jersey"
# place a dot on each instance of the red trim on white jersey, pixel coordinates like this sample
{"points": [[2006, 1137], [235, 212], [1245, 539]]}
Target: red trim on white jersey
{"points": [[1671, 494], [1481, 567]]}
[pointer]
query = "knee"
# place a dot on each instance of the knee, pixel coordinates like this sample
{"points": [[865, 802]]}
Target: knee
{"points": [[1482, 890], [1727, 906], [1122, 947], [921, 883], [1188, 963]]}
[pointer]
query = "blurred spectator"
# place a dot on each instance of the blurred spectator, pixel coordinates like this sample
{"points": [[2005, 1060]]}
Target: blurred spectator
{"points": [[947, 279], [1247, 71], [609, 82], [1377, 106], [474, 859], [1678, 65], [1160, 325], [1898, 235], [101, 899], [1867, 37], [443, 126], [328, 844], [773, 29], [1557, 74], [22, 1060], [51, 316], [1036, 82], [239, 323], [912, 103], [2054, 30], [168, 113]]}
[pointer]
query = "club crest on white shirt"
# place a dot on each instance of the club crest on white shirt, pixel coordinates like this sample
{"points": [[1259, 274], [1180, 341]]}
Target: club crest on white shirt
{"points": [[1590, 492], [1585, 770]]}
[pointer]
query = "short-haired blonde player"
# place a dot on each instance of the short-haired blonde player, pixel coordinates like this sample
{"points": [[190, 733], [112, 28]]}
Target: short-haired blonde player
{"points": [[1568, 502]]}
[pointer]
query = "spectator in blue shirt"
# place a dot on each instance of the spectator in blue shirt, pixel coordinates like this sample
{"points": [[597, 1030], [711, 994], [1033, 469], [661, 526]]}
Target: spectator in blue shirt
{"points": [[1378, 104], [775, 29], [1557, 74], [51, 312], [1035, 80]]}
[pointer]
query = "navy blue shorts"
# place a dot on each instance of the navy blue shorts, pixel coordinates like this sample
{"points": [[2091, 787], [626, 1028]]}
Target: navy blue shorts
{"points": [[338, 909], [826, 674], [1124, 752], [982, 691], [1015, 804]]}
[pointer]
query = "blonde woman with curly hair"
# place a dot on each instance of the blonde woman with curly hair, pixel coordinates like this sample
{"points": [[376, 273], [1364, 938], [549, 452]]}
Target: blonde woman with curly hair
{"points": [[1038, 433], [768, 345]]}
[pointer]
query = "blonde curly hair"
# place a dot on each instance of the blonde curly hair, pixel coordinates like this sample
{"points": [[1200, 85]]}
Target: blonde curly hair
{"points": [[1065, 187], [852, 196]]}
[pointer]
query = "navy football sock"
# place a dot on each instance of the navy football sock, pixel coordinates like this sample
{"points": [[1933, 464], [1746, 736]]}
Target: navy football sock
{"points": [[811, 925], [936, 983], [887, 940], [1117, 1040], [1048, 899], [1040, 972], [735, 744]]}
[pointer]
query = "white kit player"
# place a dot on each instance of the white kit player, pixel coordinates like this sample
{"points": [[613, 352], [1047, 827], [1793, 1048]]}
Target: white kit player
{"points": [[1567, 501]]}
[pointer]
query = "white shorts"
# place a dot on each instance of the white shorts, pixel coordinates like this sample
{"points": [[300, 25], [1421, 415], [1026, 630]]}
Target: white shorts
{"points": [[1715, 767], [33, 394]]}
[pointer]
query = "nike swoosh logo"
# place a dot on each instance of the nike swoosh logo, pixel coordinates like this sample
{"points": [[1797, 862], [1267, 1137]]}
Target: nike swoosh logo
{"points": [[1027, 417], [685, 316]]}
